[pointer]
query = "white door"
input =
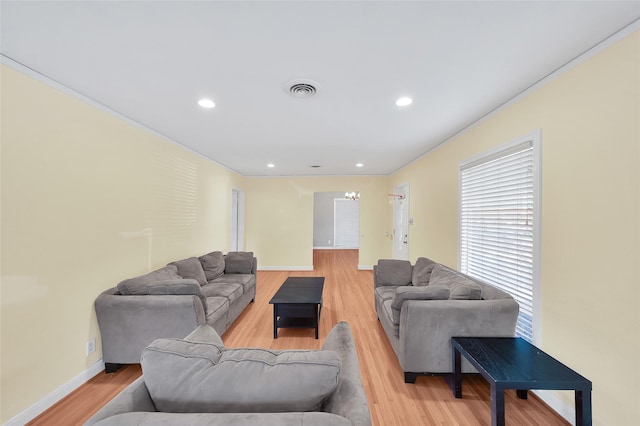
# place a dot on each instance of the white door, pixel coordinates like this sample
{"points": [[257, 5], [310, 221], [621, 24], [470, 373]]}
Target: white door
{"points": [[346, 223], [237, 220], [401, 222]]}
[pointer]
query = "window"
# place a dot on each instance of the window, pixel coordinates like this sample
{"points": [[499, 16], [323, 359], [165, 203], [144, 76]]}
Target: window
{"points": [[499, 222]]}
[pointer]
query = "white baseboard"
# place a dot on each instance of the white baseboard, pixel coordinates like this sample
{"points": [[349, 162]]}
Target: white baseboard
{"points": [[335, 248], [285, 268], [558, 405], [45, 403], [365, 267]]}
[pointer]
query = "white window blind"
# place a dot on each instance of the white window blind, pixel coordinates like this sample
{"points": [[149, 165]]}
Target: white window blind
{"points": [[497, 225]]}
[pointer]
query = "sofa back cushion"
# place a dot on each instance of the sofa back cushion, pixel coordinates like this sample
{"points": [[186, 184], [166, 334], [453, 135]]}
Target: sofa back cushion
{"points": [[393, 272], [193, 377], [238, 262], [213, 265], [191, 268], [460, 287], [138, 285], [422, 271]]}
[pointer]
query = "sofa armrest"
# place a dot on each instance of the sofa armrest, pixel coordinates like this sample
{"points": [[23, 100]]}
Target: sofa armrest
{"points": [[405, 293], [129, 323], [375, 276], [205, 334], [134, 397], [179, 287], [349, 399], [426, 327]]}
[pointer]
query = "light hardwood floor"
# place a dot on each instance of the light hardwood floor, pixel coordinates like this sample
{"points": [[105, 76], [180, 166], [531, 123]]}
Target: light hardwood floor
{"points": [[348, 296]]}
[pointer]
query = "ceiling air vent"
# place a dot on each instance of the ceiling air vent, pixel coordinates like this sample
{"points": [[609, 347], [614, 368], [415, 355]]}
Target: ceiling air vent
{"points": [[302, 88]]}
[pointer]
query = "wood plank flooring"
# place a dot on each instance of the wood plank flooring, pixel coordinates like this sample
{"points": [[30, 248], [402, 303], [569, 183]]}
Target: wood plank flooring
{"points": [[348, 296]]}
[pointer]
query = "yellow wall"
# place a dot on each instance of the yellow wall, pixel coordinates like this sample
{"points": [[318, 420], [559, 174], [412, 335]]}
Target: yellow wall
{"points": [[590, 279], [79, 189], [279, 218]]}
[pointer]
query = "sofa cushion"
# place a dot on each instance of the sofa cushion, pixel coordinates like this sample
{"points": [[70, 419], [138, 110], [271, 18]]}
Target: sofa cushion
{"points": [[432, 292], [393, 272], [229, 290], [460, 287], [238, 262], [179, 287], [247, 281], [189, 377], [191, 268], [422, 271], [217, 307], [213, 265], [225, 419], [138, 285], [385, 292]]}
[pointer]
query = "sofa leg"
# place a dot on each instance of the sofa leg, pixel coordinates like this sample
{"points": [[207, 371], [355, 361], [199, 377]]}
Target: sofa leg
{"points": [[111, 367], [410, 377]]}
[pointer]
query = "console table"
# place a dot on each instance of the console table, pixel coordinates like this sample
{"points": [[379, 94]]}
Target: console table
{"points": [[514, 363]]}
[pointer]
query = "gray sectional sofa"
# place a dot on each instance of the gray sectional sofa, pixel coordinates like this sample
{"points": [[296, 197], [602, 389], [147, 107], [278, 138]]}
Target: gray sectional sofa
{"points": [[197, 381], [172, 301], [422, 306]]}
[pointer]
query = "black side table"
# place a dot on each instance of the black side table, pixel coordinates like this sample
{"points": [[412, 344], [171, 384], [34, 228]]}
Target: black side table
{"points": [[514, 363]]}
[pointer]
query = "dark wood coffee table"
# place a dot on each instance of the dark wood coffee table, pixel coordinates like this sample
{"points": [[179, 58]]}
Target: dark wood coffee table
{"points": [[297, 304], [514, 363]]}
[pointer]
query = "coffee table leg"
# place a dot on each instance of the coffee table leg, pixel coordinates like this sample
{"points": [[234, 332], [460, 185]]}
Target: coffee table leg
{"points": [[317, 320], [275, 320], [497, 406], [583, 408], [457, 374]]}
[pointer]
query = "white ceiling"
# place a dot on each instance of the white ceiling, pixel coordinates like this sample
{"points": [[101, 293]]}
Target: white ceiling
{"points": [[152, 60]]}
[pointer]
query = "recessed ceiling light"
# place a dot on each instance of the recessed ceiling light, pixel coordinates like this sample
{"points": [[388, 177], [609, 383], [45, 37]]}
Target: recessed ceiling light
{"points": [[404, 101], [271, 165], [359, 165], [206, 103]]}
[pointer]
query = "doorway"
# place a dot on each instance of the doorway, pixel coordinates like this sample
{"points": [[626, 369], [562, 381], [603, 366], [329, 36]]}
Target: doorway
{"points": [[336, 221]]}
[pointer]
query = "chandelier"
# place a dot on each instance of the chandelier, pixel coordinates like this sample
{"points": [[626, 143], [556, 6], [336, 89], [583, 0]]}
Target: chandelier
{"points": [[352, 195]]}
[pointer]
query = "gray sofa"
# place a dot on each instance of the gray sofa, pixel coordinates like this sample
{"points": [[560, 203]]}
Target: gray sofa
{"points": [[197, 381], [422, 306], [172, 301]]}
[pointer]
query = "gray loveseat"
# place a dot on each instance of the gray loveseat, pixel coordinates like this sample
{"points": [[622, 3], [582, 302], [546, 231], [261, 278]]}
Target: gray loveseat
{"points": [[197, 381], [172, 301], [422, 306]]}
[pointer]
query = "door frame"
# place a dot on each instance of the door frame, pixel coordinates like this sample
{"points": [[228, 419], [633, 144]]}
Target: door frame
{"points": [[400, 249], [237, 219]]}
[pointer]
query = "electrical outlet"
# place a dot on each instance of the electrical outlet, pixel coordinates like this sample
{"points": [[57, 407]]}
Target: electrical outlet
{"points": [[91, 346]]}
